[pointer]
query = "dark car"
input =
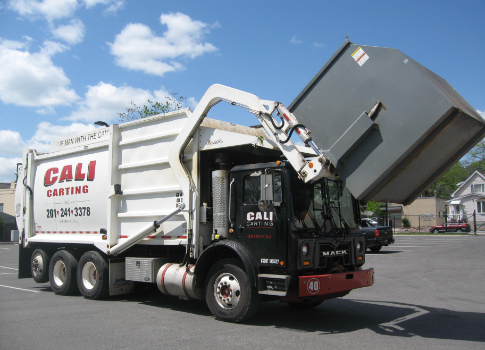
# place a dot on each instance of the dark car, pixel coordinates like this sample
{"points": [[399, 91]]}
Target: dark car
{"points": [[376, 236], [451, 227]]}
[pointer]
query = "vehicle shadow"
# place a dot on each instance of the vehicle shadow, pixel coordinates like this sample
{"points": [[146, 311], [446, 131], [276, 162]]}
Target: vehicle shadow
{"points": [[344, 316], [386, 318]]}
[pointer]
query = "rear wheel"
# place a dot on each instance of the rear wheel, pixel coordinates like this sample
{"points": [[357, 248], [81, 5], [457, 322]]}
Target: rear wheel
{"points": [[62, 273], [375, 249], [39, 266], [93, 276], [229, 294]]}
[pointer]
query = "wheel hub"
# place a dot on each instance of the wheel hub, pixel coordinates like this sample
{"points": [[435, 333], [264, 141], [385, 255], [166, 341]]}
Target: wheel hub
{"points": [[59, 272], [89, 275], [227, 291], [38, 265]]}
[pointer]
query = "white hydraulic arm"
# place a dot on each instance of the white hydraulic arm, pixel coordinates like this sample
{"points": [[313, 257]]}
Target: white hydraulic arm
{"points": [[280, 132]]}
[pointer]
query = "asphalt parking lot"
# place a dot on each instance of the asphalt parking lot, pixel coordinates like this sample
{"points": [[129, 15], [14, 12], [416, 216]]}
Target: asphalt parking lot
{"points": [[429, 292]]}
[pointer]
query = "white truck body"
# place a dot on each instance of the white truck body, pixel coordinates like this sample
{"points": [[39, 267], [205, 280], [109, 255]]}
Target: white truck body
{"points": [[75, 199]]}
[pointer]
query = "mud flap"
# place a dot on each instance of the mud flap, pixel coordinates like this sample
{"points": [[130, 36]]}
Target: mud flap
{"points": [[25, 254]]}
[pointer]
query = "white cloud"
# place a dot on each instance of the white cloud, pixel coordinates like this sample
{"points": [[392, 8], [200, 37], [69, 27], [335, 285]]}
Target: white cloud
{"points": [[31, 79], [8, 167], [319, 45], [113, 5], [48, 9], [11, 143], [482, 113], [138, 48], [104, 101], [46, 133], [72, 33], [294, 40]]}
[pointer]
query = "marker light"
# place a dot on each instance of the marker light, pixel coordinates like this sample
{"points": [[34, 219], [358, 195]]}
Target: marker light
{"points": [[278, 162], [310, 165], [306, 263], [376, 233]]}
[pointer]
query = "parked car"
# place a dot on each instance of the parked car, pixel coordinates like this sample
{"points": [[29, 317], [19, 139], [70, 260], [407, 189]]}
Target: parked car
{"points": [[451, 227], [376, 236]]}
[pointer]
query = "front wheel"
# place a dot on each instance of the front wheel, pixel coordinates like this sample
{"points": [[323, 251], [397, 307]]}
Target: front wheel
{"points": [[229, 294], [93, 276], [375, 249], [436, 230]]}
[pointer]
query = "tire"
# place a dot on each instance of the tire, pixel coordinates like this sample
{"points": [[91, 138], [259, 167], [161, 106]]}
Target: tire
{"points": [[39, 266], [229, 294], [62, 273], [93, 276], [436, 231], [375, 249], [305, 306]]}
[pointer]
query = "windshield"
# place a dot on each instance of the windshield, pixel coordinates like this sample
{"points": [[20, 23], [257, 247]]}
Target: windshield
{"points": [[326, 205]]}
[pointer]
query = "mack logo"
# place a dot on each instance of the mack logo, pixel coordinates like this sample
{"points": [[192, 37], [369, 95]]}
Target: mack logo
{"points": [[335, 252]]}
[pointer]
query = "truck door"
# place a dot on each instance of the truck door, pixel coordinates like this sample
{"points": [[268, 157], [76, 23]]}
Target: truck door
{"points": [[260, 214]]}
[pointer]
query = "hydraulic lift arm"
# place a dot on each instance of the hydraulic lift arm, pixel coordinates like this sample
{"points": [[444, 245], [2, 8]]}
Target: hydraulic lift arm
{"points": [[280, 132]]}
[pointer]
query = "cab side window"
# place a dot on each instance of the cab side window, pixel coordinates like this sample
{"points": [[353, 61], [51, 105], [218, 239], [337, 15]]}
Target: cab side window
{"points": [[252, 189]]}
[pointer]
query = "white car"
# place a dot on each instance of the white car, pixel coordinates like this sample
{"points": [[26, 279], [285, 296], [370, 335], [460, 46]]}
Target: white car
{"points": [[370, 222]]}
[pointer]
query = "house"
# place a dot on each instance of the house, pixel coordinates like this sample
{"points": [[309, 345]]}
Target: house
{"points": [[468, 198], [424, 212]]}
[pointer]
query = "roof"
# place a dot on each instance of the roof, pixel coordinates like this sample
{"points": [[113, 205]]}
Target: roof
{"points": [[465, 196], [462, 184]]}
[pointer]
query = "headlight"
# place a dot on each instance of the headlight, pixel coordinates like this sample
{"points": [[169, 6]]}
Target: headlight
{"points": [[360, 246], [304, 249]]}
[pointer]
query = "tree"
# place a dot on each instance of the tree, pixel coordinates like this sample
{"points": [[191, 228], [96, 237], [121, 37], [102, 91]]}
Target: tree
{"points": [[444, 186], [172, 103], [374, 207]]}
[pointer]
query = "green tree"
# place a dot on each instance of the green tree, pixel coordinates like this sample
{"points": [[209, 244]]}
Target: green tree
{"points": [[172, 103], [374, 207], [444, 186]]}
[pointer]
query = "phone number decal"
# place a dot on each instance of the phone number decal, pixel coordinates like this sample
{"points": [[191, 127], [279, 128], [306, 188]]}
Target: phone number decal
{"points": [[67, 212]]}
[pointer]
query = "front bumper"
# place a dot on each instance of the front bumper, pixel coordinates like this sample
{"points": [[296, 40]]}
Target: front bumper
{"points": [[310, 286]]}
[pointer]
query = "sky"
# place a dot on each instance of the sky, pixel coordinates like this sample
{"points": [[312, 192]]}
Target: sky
{"points": [[65, 64]]}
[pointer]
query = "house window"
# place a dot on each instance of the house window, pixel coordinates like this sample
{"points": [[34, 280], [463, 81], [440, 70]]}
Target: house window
{"points": [[478, 188], [1, 207], [481, 207]]}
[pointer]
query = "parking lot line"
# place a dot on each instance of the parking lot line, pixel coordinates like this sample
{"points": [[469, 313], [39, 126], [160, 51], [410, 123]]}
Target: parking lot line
{"points": [[27, 290], [11, 268]]}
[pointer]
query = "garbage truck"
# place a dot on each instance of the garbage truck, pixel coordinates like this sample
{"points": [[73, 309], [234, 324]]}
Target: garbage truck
{"points": [[236, 215]]}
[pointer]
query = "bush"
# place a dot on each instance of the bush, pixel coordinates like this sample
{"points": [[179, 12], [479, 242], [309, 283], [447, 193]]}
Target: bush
{"points": [[405, 222]]}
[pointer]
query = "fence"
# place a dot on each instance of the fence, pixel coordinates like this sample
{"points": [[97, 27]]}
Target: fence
{"points": [[423, 222]]}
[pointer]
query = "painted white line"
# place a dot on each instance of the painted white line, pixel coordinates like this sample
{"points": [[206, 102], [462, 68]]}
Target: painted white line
{"points": [[10, 268], [5, 248], [8, 273], [27, 290], [394, 324]]}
